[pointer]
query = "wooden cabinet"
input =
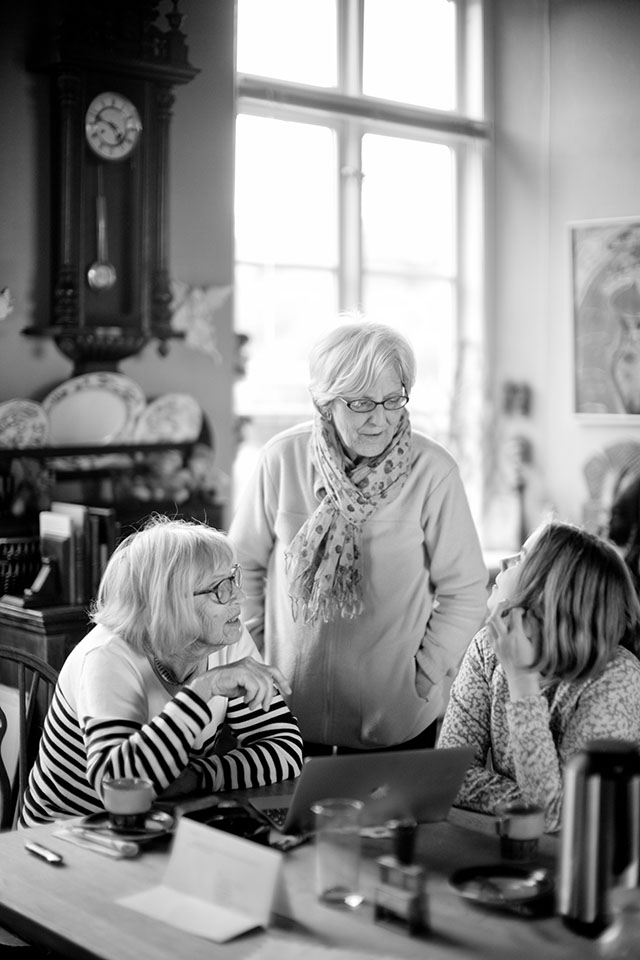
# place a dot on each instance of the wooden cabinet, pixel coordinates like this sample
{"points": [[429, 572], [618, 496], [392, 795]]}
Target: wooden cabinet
{"points": [[49, 633]]}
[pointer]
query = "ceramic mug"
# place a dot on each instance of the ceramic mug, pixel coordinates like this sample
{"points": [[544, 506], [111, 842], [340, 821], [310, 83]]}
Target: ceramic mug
{"points": [[127, 801]]}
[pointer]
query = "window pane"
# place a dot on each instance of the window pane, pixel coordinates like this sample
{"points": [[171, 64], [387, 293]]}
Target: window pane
{"points": [[410, 52], [283, 310], [424, 312], [408, 205], [285, 201], [292, 40]]}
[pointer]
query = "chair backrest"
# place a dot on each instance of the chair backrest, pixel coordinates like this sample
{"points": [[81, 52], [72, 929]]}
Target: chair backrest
{"points": [[34, 681]]}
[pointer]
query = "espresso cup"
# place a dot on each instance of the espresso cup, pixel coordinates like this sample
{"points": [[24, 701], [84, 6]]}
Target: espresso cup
{"points": [[127, 801], [519, 826]]}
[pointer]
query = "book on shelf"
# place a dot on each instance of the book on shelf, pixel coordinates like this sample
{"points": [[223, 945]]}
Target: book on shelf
{"points": [[103, 536], [57, 545], [95, 534], [80, 519]]}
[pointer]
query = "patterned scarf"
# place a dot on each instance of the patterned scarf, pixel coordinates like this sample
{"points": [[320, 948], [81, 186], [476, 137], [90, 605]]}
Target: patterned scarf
{"points": [[324, 562]]}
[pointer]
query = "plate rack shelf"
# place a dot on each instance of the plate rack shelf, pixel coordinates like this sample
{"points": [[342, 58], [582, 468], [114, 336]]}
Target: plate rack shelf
{"points": [[88, 466], [95, 475], [8, 454]]}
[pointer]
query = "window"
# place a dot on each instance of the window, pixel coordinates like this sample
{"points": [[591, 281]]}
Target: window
{"points": [[360, 153]]}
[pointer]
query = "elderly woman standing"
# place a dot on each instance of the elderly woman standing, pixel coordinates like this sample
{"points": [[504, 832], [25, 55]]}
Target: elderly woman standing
{"points": [[551, 670], [146, 691], [365, 581]]}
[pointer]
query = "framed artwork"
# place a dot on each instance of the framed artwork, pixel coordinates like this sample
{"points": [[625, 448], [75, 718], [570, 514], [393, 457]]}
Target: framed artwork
{"points": [[605, 257]]}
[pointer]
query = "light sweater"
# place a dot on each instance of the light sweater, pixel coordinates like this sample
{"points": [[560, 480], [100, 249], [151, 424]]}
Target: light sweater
{"points": [[522, 746], [111, 715], [381, 678]]}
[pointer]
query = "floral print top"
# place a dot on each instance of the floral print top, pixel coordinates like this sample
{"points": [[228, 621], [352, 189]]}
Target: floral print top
{"points": [[523, 745]]}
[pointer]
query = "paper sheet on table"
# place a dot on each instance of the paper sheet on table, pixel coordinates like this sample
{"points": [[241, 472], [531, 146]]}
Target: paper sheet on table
{"points": [[216, 885], [294, 949]]}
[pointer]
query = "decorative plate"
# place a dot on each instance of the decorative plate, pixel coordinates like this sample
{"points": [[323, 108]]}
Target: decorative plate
{"points": [[92, 461], [172, 416], [23, 423], [95, 408], [504, 887], [157, 824]]}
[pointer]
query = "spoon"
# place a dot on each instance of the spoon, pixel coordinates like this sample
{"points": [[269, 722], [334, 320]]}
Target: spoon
{"points": [[495, 891], [101, 274]]}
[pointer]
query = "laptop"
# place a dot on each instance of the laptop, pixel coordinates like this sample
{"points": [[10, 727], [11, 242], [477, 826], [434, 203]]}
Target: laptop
{"points": [[421, 784]]}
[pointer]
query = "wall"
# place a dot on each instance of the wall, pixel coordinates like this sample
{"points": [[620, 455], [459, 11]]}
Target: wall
{"points": [[567, 146], [200, 215], [567, 140]]}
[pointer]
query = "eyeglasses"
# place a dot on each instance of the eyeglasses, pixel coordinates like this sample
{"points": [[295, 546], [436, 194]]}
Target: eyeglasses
{"points": [[366, 405], [223, 589], [508, 562]]}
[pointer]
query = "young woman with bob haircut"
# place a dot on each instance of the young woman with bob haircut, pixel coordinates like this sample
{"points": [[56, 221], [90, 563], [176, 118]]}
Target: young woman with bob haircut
{"points": [[553, 668], [167, 664]]}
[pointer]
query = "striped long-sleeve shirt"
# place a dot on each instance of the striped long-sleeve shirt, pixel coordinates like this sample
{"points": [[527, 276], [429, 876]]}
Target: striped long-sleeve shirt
{"points": [[111, 715]]}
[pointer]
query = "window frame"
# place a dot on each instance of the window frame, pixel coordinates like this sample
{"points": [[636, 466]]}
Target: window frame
{"points": [[466, 130]]}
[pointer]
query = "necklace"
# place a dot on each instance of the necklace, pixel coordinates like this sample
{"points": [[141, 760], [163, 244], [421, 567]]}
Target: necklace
{"points": [[167, 675]]}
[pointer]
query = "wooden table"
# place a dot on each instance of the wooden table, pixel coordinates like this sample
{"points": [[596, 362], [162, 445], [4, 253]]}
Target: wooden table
{"points": [[73, 908]]}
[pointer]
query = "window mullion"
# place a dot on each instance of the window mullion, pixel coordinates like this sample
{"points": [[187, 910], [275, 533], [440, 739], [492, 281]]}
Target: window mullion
{"points": [[350, 180], [470, 58], [350, 46]]}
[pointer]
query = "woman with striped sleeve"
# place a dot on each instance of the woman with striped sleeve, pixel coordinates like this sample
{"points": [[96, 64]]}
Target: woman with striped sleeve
{"points": [[165, 666]]}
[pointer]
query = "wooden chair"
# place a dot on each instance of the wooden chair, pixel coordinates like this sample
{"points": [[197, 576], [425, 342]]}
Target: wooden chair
{"points": [[34, 681]]}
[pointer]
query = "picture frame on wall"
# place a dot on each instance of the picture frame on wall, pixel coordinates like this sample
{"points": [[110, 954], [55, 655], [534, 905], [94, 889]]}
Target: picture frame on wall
{"points": [[605, 263]]}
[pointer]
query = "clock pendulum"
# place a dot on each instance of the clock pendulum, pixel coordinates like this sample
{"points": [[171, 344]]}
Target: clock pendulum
{"points": [[101, 275]]}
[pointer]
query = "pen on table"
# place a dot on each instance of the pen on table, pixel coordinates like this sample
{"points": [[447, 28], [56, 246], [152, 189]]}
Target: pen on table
{"points": [[55, 859]]}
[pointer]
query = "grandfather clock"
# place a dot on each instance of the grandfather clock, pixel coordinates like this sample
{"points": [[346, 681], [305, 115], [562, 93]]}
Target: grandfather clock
{"points": [[113, 68]]}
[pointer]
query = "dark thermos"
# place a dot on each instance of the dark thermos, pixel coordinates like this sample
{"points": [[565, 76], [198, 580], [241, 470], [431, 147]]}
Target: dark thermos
{"points": [[600, 840]]}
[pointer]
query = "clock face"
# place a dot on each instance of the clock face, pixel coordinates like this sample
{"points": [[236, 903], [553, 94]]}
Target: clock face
{"points": [[112, 126]]}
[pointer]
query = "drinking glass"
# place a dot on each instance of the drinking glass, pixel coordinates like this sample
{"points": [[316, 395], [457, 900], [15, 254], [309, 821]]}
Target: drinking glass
{"points": [[337, 829]]}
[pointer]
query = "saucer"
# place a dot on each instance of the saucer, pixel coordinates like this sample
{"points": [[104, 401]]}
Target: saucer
{"points": [[157, 824], [502, 887]]}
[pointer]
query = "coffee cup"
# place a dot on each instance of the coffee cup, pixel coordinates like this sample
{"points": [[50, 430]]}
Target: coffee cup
{"points": [[127, 801], [519, 826]]}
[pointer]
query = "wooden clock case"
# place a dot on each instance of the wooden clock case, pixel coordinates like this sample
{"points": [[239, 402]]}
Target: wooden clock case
{"points": [[93, 49]]}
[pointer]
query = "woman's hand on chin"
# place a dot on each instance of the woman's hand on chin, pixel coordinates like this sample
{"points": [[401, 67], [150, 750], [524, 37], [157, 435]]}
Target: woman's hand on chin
{"points": [[255, 682], [514, 650]]}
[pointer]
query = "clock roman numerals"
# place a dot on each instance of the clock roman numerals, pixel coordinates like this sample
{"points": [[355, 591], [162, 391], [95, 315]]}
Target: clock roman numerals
{"points": [[112, 126]]}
